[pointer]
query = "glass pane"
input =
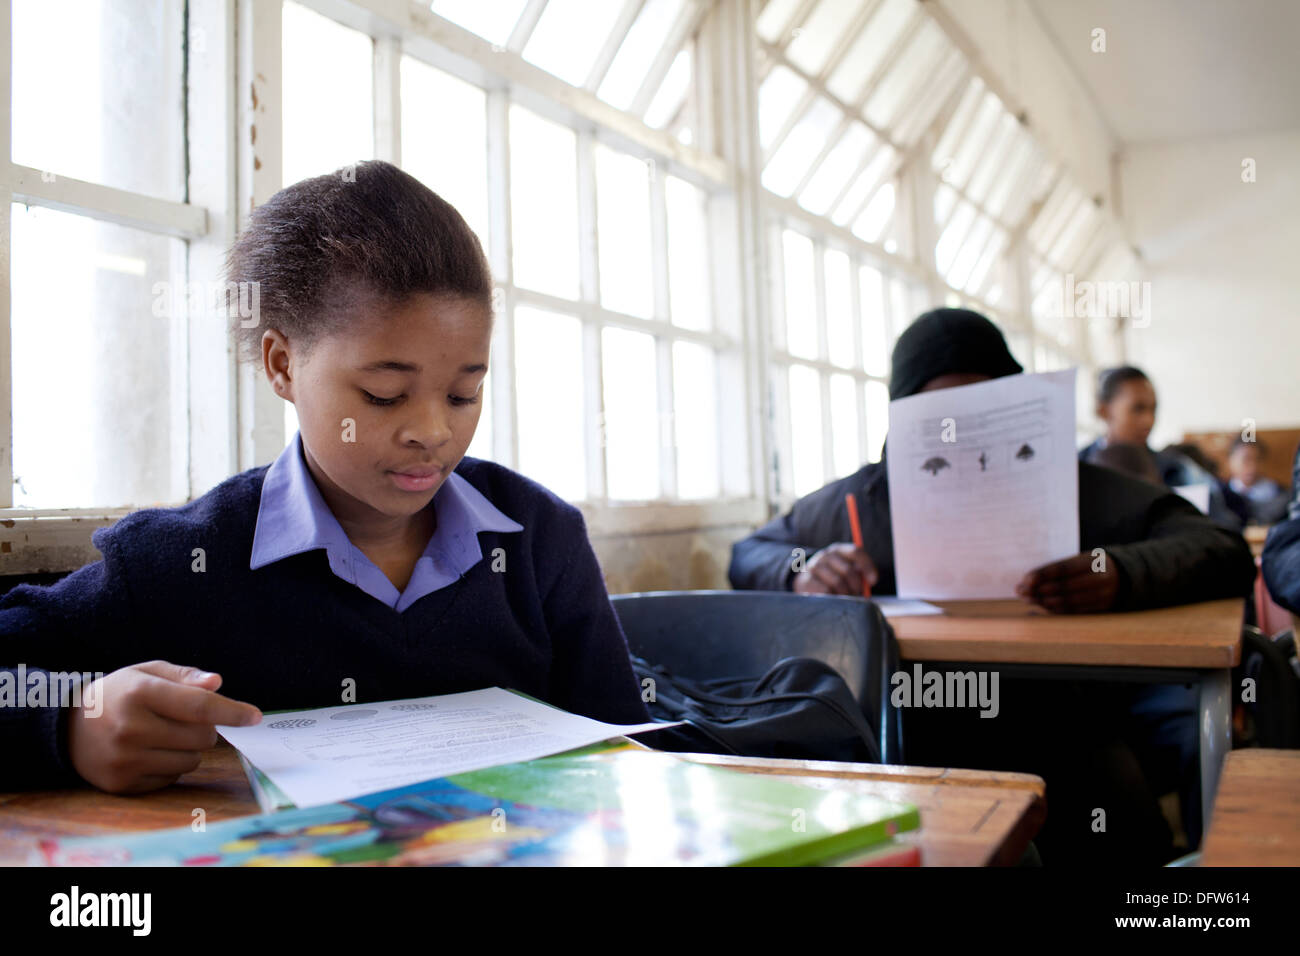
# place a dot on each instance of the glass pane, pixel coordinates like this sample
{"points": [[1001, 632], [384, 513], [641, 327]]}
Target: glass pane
{"points": [[914, 67], [623, 230], [773, 19], [971, 248], [631, 431], [432, 103], [945, 250], [844, 425], [871, 224], [100, 402], [870, 49], [877, 418], [549, 401], [695, 418], [690, 299], [806, 429], [92, 83], [957, 124], [984, 266], [492, 21], [967, 150], [881, 166], [917, 118], [836, 169], [672, 94], [819, 34], [777, 98], [839, 308], [994, 159], [901, 312], [639, 49], [800, 295], [544, 204], [875, 337], [796, 154], [328, 80], [569, 37]]}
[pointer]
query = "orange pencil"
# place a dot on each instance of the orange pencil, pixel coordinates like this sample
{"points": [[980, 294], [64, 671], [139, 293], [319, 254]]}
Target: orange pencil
{"points": [[856, 526]]}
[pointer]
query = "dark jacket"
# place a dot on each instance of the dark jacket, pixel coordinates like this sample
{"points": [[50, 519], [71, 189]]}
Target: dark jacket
{"points": [[1281, 559], [1167, 552]]}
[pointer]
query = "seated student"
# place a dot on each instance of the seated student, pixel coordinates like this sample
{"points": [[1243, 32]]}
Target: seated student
{"points": [[1126, 403], [371, 554], [1281, 557], [1097, 745], [1264, 498]]}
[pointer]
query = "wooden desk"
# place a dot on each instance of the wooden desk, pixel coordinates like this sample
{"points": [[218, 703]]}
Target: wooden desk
{"points": [[968, 818], [1194, 643], [1256, 818]]}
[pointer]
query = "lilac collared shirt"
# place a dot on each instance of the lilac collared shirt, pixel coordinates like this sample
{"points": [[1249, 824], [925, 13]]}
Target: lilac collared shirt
{"points": [[292, 517]]}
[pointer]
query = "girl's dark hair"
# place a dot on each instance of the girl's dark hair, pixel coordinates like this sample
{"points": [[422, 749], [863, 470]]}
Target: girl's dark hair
{"points": [[369, 228], [1110, 380]]}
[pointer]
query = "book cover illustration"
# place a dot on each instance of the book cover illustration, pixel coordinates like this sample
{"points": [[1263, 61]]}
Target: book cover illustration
{"points": [[624, 807]]}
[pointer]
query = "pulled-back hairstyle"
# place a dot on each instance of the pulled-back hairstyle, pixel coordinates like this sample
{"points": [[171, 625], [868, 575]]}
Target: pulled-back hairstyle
{"points": [[1110, 380], [368, 229]]}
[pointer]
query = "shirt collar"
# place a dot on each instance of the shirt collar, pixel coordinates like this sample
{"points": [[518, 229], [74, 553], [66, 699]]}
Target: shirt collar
{"points": [[292, 518]]}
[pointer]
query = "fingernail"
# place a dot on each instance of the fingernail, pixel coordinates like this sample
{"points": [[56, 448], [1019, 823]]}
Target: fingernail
{"points": [[253, 719], [204, 675]]}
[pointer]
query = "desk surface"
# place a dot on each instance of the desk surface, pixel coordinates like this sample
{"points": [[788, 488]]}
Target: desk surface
{"points": [[1256, 819], [968, 818], [1206, 635]]}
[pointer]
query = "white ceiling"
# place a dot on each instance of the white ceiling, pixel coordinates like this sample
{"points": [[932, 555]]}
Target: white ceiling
{"points": [[1184, 69]]}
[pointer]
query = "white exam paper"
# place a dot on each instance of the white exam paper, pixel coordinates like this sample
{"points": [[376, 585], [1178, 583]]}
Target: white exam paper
{"points": [[336, 753], [983, 485], [903, 607]]}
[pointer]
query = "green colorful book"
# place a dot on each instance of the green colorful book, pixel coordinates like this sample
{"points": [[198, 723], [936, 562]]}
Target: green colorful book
{"points": [[599, 806]]}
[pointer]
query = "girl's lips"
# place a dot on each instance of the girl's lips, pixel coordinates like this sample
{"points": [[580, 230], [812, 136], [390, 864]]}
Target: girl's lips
{"points": [[417, 479]]}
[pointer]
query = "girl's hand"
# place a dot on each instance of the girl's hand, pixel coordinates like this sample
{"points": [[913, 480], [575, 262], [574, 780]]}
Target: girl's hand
{"points": [[1072, 586], [836, 569], [155, 720]]}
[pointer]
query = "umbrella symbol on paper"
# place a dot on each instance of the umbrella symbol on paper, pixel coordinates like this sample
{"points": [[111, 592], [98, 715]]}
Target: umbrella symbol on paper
{"points": [[1025, 453], [935, 465]]}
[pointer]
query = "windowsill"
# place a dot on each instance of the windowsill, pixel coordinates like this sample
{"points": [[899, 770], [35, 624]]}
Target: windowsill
{"points": [[53, 540]]}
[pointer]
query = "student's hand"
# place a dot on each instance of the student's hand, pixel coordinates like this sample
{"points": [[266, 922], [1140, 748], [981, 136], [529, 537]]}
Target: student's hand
{"points": [[155, 720], [836, 569], [1072, 586]]}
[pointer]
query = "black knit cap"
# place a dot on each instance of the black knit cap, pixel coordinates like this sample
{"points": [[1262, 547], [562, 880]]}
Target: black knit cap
{"points": [[947, 342]]}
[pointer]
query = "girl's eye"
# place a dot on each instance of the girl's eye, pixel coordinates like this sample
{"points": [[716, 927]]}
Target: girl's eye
{"points": [[376, 400], [461, 400]]}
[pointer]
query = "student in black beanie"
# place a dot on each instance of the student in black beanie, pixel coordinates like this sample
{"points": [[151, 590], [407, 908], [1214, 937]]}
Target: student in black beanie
{"points": [[1160, 551]]}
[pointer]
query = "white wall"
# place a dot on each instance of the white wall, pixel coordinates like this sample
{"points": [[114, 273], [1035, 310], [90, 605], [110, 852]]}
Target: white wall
{"points": [[1223, 259]]}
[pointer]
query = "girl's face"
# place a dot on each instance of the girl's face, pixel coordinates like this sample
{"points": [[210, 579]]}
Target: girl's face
{"points": [[387, 405], [1131, 414]]}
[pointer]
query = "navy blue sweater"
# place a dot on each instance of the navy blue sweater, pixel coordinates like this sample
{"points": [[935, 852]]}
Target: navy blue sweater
{"points": [[288, 635]]}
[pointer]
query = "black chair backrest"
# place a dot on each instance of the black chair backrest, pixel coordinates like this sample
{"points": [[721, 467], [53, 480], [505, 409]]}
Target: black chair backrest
{"points": [[709, 634]]}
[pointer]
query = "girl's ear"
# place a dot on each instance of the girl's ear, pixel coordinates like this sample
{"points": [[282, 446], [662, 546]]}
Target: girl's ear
{"points": [[275, 361]]}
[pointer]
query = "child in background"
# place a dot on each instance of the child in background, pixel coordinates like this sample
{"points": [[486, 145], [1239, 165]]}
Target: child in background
{"points": [[1265, 500], [1126, 403], [370, 555]]}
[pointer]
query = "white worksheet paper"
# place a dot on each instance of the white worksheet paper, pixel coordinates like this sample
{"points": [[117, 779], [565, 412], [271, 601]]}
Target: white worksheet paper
{"points": [[902, 607], [336, 753], [983, 485]]}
